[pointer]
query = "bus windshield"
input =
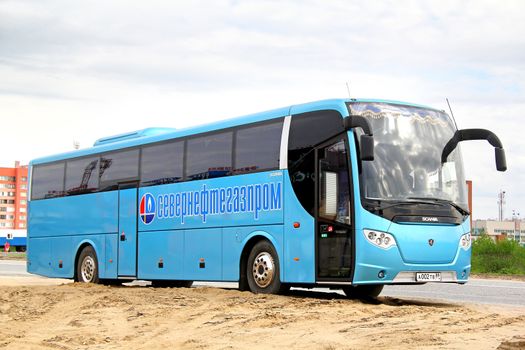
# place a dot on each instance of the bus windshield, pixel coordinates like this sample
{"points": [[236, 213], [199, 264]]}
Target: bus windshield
{"points": [[407, 155]]}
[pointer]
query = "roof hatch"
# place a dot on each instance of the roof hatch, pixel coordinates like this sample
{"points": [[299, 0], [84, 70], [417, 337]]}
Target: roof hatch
{"points": [[132, 135]]}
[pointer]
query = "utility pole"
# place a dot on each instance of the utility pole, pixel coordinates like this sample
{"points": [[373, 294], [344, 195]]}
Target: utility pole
{"points": [[501, 204], [517, 226]]}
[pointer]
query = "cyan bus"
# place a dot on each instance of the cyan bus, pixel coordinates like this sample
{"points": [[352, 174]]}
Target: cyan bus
{"points": [[350, 194]]}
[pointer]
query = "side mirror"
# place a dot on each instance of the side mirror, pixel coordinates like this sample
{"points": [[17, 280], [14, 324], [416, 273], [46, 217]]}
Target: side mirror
{"points": [[501, 161], [367, 147], [476, 134], [366, 140]]}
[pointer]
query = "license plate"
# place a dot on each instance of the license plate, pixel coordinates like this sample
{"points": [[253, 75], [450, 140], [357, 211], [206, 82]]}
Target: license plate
{"points": [[428, 276]]}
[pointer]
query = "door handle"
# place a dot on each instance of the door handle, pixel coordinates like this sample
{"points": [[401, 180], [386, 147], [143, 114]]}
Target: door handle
{"points": [[122, 236]]}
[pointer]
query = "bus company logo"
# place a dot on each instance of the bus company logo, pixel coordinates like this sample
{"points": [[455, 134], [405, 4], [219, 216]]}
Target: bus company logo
{"points": [[255, 199], [147, 208]]}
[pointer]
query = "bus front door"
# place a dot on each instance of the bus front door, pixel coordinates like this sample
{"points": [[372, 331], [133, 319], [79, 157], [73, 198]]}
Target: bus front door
{"points": [[334, 212], [127, 223]]}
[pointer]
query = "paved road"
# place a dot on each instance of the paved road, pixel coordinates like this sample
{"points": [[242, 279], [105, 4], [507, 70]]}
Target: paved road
{"points": [[13, 268], [482, 291]]}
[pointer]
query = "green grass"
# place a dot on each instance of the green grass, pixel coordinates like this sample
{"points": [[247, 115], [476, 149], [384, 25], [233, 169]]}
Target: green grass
{"points": [[12, 254], [504, 257]]}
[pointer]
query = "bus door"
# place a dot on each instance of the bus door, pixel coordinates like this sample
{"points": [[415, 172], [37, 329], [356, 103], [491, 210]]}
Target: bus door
{"points": [[333, 212], [127, 224]]}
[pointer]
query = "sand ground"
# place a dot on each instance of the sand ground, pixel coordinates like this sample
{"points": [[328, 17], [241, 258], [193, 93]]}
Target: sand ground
{"points": [[38, 313]]}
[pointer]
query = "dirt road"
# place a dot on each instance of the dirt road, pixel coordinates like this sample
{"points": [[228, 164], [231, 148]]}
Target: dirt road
{"points": [[79, 316]]}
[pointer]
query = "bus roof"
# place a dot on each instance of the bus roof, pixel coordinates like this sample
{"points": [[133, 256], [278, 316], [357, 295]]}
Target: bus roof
{"points": [[152, 135]]}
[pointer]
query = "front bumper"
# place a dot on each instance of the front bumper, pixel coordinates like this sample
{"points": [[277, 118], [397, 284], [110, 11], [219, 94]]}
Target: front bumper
{"points": [[379, 266]]}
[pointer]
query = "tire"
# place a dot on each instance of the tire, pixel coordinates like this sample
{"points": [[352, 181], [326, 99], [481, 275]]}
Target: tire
{"points": [[87, 266], [262, 269], [365, 291], [172, 284]]}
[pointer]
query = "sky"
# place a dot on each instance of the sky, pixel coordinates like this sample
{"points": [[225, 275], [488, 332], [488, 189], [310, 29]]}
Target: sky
{"points": [[75, 71]]}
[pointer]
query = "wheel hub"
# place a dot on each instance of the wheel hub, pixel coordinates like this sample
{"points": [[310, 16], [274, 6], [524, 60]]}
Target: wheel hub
{"points": [[263, 269], [88, 269]]}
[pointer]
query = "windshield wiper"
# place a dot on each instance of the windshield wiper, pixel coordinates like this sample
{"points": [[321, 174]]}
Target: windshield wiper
{"points": [[408, 203], [444, 201]]}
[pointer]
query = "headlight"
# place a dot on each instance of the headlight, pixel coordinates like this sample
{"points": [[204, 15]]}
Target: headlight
{"points": [[465, 241], [380, 239]]}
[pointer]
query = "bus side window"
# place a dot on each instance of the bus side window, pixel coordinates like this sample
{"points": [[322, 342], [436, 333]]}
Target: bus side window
{"points": [[257, 148], [334, 191], [48, 181], [82, 176], [162, 164], [209, 156], [118, 167]]}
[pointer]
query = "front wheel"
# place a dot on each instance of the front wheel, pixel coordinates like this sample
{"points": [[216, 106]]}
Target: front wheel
{"points": [[363, 291], [262, 270], [87, 266]]}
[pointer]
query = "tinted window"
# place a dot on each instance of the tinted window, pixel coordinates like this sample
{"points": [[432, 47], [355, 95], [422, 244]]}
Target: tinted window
{"points": [[312, 128], [334, 189], [209, 156], [162, 164], [257, 148], [118, 166], [48, 181], [82, 176], [308, 130]]}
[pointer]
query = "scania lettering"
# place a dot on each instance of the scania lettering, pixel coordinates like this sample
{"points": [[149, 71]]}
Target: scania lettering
{"points": [[349, 194]]}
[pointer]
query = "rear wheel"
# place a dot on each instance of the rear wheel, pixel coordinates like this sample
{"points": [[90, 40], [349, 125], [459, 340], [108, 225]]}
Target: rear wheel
{"points": [[87, 266], [173, 284], [262, 270], [363, 291]]}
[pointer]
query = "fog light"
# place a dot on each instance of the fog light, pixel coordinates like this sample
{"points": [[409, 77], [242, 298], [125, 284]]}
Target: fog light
{"points": [[464, 273], [381, 274]]}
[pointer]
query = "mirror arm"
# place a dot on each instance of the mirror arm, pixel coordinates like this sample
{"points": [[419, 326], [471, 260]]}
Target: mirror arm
{"points": [[450, 146], [367, 139], [357, 121], [468, 135], [480, 134], [476, 134]]}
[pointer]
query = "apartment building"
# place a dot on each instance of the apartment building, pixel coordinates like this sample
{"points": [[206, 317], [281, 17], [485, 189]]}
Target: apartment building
{"points": [[13, 197]]}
